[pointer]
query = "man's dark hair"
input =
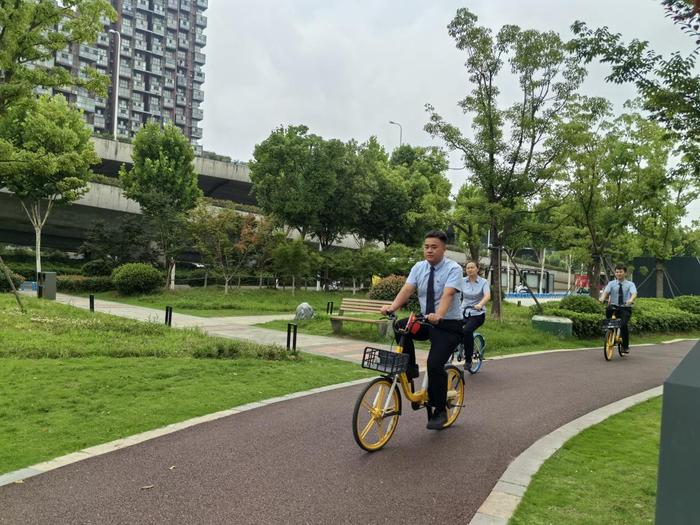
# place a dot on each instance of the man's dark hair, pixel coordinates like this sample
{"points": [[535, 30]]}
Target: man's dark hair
{"points": [[437, 234], [621, 267]]}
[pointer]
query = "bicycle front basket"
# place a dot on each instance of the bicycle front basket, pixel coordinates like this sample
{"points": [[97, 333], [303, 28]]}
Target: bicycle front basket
{"points": [[612, 324], [384, 360]]}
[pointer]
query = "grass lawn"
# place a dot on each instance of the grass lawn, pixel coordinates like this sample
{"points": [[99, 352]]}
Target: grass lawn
{"points": [[513, 335], [212, 302], [605, 475], [70, 379]]}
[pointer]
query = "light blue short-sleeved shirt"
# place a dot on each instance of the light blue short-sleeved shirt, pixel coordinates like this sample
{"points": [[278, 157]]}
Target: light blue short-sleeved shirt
{"points": [[613, 289], [448, 274], [472, 293]]}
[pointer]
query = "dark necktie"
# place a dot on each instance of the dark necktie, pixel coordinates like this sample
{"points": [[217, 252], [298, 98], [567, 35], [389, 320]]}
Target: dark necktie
{"points": [[619, 294], [430, 296]]}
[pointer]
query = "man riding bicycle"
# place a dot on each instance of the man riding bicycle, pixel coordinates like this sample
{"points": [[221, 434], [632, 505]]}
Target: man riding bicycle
{"points": [[620, 295], [437, 280]]}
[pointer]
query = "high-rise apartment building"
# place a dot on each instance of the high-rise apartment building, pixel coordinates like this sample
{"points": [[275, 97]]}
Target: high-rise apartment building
{"points": [[160, 67]]}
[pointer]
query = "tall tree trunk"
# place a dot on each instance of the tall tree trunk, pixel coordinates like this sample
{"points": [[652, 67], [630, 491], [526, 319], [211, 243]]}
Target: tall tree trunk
{"points": [[541, 284], [496, 276], [171, 274], [354, 288], [659, 279], [226, 281], [593, 286], [293, 284], [37, 247]]}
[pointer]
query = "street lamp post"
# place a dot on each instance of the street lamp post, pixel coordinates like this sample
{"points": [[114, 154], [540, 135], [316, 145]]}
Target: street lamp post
{"points": [[400, 131], [115, 84]]}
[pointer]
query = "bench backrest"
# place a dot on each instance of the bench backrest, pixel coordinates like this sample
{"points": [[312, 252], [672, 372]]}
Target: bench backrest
{"points": [[369, 306]]}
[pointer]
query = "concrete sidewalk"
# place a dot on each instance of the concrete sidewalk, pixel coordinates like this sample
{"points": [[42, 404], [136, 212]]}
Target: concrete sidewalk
{"points": [[241, 327]]}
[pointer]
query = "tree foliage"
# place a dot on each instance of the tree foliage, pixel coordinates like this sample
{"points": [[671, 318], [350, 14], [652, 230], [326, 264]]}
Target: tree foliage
{"points": [[512, 153], [51, 145], [164, 182], [32, 31]]}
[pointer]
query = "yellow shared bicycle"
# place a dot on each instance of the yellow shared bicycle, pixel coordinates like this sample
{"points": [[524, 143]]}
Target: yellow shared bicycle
{"points": [[378, 407]]}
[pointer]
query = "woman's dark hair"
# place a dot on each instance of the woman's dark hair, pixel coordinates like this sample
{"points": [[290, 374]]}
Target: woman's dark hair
{"points": [[437, 234]]}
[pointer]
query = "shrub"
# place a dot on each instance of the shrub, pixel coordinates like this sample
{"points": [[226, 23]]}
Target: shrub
{"points": [[687, 303], [80, 284], [388, 287], [582, 303], [97, 267], [136, 278], [17, 280]]}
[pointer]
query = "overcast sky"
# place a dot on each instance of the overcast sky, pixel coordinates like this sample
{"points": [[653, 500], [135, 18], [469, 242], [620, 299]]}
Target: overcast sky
{"points": [[345, 68]]}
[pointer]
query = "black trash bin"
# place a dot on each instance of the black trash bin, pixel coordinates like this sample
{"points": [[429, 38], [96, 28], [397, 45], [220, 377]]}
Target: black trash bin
{"points": [[46, 285]]}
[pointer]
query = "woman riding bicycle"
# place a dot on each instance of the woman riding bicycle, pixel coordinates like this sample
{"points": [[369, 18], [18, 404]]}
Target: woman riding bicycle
{"points": [[438, 281], [476, 292], [620, 294]]}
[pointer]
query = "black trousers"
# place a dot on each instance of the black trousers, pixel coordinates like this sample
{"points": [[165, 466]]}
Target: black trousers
{"points": [[444, 337], [624, 314], [471, 323]]}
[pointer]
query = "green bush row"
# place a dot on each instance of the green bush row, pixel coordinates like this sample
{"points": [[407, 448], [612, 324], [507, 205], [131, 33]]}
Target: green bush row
{"points": [[649, 315], [80, 284], [17, 280]]}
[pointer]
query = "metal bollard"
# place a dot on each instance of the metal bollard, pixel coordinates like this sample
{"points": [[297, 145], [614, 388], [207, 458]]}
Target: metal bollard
{"points": [[329, 307], [292, 343], [92, 303], [168, 315]]}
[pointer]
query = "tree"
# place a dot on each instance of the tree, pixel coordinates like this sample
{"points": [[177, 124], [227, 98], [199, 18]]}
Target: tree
{"points": [[470, 218], [265, 241], [53, 143], [314, 185], [164, 182], [119, 243], [423, 172], [225, 239], [32, 31], [669, 87], [510, 158], [293, 177], [293, 259]]}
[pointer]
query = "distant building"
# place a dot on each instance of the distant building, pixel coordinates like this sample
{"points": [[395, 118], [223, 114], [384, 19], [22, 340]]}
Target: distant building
{"points": [[160, 74]]}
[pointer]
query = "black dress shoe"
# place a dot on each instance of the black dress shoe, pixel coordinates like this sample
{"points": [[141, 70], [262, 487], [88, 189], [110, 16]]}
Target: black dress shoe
{"points": [[437, 422]]}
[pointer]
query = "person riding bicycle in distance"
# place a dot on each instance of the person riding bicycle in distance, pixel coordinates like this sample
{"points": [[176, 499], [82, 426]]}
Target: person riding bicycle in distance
{"points": [[620, 293], [438, 281], [476, 292]]}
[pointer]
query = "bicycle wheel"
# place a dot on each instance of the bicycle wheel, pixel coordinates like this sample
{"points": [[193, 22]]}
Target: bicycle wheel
{"points": [[477, 360], [372, 425], [455, 393], [609, 344]]}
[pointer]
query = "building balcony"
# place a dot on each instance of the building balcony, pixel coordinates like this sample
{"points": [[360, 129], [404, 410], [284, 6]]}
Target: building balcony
{"points": [[141, 24], [103, 39], [100, 102], [183, 43], [201, 20], [181, 100], [158, 29], [126, 50], [170, 63], [99, 121], [156, 70], [170, 43], [64, 58], [139, 86], [184, 5], [158, 50], [172, 4], [197, 114], [196, 133], [199, 58], [141, 45], [203, 4], [143, 4], [168, 103], [180, 119], [125, 71], [102, 60], [197, 95], [126, 30], [140, 65], [169, 82], [184, 24], [171, 23], [123, 112], [137, 106], [200, 38], [198, 76]]}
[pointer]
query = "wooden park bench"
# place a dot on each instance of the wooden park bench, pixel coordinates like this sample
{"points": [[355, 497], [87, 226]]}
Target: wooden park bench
{"points": [[364, 306]]}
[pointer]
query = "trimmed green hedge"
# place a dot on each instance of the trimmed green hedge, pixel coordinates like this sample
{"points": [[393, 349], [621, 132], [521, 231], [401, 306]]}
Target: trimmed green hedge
{"points": [[388, 287], [137, 278], [687, 303], [80, 284], [648, 315]]}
